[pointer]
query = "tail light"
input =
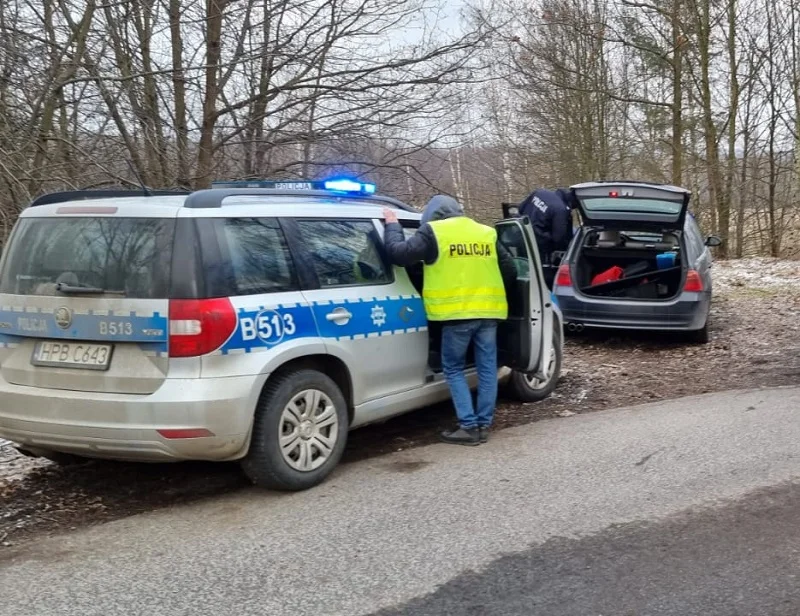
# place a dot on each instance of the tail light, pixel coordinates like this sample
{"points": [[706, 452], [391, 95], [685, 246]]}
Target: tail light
{"points": [[693, 284], [563, 277], [199, 326]]}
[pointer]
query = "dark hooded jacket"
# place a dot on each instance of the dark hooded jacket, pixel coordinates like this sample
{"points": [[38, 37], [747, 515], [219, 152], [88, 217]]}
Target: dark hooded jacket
{"points": [[422, 246], [550, 216]]}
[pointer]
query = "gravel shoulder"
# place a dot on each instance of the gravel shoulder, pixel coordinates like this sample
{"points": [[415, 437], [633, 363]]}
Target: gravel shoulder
{"points": [[754, 343]]}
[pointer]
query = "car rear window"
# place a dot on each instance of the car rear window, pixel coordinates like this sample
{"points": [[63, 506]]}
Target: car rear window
{"points": [[126, 256], [632, 204]]}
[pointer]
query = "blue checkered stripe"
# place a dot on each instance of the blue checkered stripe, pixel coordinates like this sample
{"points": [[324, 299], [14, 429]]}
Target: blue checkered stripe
{"points": [[150, 331], [259, 328], [262, 327]]}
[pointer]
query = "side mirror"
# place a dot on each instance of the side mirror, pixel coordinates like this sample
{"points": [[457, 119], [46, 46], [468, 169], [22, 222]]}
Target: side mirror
{"points": [[510, 210], [712, 241]]}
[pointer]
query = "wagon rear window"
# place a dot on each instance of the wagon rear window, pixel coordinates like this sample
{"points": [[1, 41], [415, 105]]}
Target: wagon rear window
{"points": [[122, 256]]}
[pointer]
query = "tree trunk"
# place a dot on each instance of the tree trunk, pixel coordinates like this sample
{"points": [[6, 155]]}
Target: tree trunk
{"points": [[205, 154], [677, 95], [61, 72], [155, 141], [741, 210], [773, 126], [733, 98], [795, 72], [179, 95], [715, 184]]}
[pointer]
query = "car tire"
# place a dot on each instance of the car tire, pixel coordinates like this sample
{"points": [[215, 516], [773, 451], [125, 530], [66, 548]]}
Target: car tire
{"points": [[294, 447], [527, 388]]}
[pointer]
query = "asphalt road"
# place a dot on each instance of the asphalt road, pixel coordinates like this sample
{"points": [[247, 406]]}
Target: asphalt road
{"points": [[682, 507], [740, 559]]}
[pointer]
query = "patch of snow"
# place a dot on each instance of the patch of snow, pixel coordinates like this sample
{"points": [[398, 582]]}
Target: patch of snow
{"points": [[756, 272]]}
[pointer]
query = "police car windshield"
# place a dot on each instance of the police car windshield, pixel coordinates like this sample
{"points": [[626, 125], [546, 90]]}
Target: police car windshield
{"points": [[119, 256]]}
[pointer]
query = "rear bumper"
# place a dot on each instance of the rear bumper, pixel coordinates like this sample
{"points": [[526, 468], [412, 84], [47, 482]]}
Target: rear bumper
{"points": [[687, 312], [125, 427]]}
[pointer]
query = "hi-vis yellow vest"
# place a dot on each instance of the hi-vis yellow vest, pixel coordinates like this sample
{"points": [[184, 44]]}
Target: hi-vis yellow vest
{"points": [[465, 281]]}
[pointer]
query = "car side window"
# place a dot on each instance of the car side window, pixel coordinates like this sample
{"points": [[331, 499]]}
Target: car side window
{"points": [[260, 260], [513, 239], [409, 228], [345, 252]]}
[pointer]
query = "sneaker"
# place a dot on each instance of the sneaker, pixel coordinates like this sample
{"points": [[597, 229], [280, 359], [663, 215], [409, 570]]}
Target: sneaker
{"points": [[461, 436], [483, 434]]}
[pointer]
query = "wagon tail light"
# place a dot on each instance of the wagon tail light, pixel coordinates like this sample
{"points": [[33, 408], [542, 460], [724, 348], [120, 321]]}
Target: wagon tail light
{"points": [[199, 326], [693, 284], [563, 277]]}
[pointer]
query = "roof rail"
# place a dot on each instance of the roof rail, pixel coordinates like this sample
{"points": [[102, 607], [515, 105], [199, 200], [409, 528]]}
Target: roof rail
{"points": [[81, 195], [213, 197]]}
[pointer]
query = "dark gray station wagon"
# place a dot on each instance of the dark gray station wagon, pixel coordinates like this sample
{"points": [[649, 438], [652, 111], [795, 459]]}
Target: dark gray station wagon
{"points": [[638, 261]]}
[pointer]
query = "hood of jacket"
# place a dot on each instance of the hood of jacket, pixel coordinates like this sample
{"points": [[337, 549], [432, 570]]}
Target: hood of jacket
{"points": [[566, 197], [441, 207]]}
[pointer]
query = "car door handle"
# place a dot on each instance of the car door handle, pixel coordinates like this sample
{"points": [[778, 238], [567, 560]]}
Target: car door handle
{"points": [[340, 314]]}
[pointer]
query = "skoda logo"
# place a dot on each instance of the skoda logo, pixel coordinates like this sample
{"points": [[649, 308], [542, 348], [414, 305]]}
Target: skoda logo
{"points": [[64, 317]]}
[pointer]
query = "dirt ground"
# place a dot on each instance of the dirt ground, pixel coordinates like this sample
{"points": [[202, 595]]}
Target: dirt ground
{"points": [[754, 344]]}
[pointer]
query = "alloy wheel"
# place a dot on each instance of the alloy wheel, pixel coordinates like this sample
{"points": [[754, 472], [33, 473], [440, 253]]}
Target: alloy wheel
{"points": [[309, 428]]}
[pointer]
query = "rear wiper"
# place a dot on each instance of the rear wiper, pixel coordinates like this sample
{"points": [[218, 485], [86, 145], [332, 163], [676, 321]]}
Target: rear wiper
{"points": [[69, 289]]}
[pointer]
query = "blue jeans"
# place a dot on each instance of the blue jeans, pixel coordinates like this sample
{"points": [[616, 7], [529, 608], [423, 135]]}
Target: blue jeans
{"points": [[456, 338]]}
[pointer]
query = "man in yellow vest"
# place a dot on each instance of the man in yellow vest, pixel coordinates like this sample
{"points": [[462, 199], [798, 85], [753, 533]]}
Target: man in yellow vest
{"points": [[466, 274]]}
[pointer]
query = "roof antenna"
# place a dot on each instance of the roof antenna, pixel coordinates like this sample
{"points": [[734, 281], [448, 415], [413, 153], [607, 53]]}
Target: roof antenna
{"points": [[145, 190]]}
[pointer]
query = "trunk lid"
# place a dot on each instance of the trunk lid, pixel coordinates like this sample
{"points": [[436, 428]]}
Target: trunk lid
{"points": [[618, 204], [84, 303]]}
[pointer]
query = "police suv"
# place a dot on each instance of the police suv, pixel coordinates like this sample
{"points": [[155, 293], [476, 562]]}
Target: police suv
{"points": [[252, 321]]}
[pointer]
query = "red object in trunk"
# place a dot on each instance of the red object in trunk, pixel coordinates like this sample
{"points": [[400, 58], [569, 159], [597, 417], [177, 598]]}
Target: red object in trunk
{"points": [[611, 274]]}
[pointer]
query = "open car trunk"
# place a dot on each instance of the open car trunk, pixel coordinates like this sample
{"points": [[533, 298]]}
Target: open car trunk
{"points": [[630, 265]]}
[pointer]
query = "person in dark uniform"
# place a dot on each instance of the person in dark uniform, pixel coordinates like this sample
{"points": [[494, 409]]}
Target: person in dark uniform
{"points": [[551, 218]]}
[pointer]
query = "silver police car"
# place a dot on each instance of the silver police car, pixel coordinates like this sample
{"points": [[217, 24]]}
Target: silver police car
{"points": [[256, 322]]}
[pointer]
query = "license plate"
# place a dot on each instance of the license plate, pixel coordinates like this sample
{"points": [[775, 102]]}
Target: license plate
{"points": [[72, 355]]}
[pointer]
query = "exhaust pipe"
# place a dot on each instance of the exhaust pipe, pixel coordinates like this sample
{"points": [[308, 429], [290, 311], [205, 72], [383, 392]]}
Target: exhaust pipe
{"points": [[571, 327], [579, 328], [575, 327]]}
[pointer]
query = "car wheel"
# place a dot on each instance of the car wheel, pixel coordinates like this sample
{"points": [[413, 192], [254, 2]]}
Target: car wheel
{"points": [[299, 432], [527, 388]]}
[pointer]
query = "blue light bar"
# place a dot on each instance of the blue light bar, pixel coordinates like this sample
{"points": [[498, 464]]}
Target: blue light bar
{"points": [[338, 185], [346, 185]]}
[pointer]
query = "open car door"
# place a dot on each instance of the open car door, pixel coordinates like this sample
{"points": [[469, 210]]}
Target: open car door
{"points": [[525, 338]]}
